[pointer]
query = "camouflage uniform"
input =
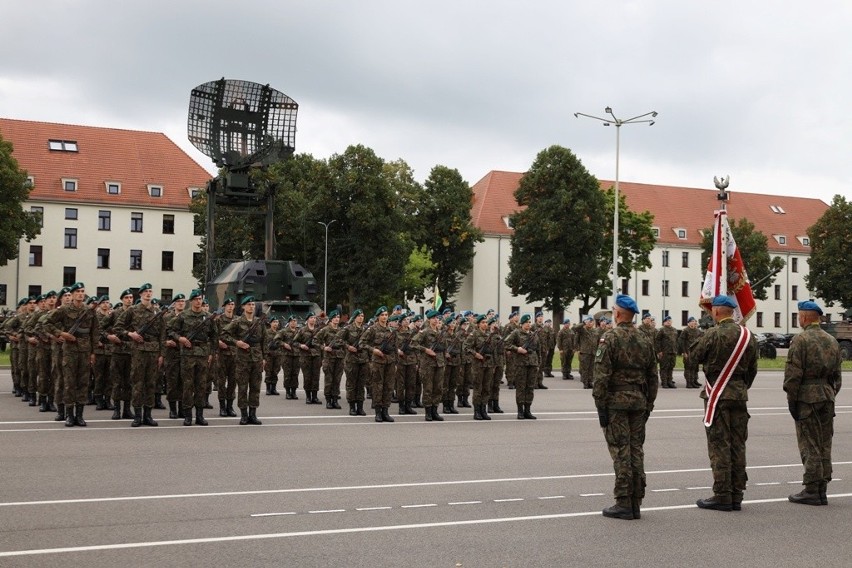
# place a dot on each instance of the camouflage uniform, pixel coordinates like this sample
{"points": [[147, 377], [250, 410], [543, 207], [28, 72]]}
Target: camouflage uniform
{"points": [[226, 370], [565, 344], [665, 345], [144, 358], [382, 367], [687, 338], [103, 383], [355, 365], [289, 361], [625, 388], [274, 357], [10, 330], [406, 370], [465, 382], [310, 361], [587, 340], [431, 369], [199, 329], [172, 366], [511, 359], [812, 378], [497, 376], [332, 364], [119, 367], [480, 346], [453, 372], [549, 345], [726, 437], [31, 363], [249, 363], [527, 366], [43, 363]]}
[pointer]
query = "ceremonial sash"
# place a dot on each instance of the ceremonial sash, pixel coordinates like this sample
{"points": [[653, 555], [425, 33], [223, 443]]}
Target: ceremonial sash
{"points": [[714, 392]]}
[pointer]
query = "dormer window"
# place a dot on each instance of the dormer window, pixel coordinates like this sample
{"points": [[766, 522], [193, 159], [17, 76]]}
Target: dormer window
{"points": [[69, 184], [777, 209], [113, 187], [656, 231], [62, 145], [508, 221], [806, 241], [193, 192], [681, 233], [155, 190], [781, 239]]}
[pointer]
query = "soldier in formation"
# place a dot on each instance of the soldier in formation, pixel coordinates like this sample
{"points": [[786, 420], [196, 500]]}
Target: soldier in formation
{"points": [[665, 345], [247, 334], [690, 334]]}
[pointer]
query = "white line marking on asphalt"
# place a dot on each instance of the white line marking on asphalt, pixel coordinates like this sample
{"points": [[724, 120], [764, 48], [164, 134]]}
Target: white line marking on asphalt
{"points": [[351, 530], [466, 502], [663, 490], [696, 488], [765, 482], [514, 499], [382, 486], [273, 514], [789, 482], [379, 508], [423, 504], [591, 494], [331, 510], [555, 496]]}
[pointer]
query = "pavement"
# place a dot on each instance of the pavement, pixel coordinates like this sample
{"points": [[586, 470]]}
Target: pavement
{"points": [[316, 487]]}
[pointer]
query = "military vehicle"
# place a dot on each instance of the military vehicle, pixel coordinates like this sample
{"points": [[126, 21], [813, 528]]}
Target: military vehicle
{"points": [[283, 287], [842, 332]]}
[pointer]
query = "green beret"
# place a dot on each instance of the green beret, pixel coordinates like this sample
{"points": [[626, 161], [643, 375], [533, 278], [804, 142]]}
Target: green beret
{"points": [[155, 300], [333, 314], [51, 294], [103, 299], [76, 286], [116, 305], [178, 297], [145, 286], [525, 318], [431, 314], [91, 300], [416, 318], [40, 298], [23, 301], [246, 300], [195, 294], [292, 318], [227, 301], [479, 318], [356, 313], [138, 301], [127, 292], [393, 318], [381, 310], [310, 315]]}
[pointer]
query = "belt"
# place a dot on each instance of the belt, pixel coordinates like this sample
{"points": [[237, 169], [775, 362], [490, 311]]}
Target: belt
{"points": [[625, 388], [814, 382]]}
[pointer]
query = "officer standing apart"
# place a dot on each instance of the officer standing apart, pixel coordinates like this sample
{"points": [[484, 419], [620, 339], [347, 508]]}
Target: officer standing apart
{"points": [[811, 381], [625, 388], [728, 352]]}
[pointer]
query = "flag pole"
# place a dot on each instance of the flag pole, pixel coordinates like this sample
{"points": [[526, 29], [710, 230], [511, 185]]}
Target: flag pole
{"points": [[723, 196]]}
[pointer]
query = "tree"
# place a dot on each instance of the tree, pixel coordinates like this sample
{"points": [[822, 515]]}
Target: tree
{"points": [[558, 237], [831, 249], [636, 240], [14, 190], [446, 227], [754, 250]]}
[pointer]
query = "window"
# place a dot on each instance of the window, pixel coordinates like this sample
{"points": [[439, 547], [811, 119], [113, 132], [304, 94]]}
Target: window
{"points": [[62, 146], [645, 287], [777, 319], [777, 209], [69, 185], [781, 239], [168, 224], [684, 317], [806, 241], [665, 258], [516, 309], [794, 292], [39, 211], [506, 220], [113, 187], [681, 233], [198, 260], [70, 239], [684, 259], [71, 213], [102, 291], [665, 314], [103, 258], [604, 303], [794, 319], [135, 259], [69, 275], [684, 288], [665, 287], [759, 319], [30, 183], [2, 294], [167, 296], [624, 285], [33, 290], [136, 222], [104, 220], [155, 190], [794, 264], [778, 291], [195, 192], [35, 256], [168, 260], [656, 232]]}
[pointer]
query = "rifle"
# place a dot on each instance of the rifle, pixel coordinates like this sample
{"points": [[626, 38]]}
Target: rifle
{"points": [[78, 322], [438, 341], [197, 327], [250, 331], [529, 341], [384, 347], [147, 325], [486, 348]]}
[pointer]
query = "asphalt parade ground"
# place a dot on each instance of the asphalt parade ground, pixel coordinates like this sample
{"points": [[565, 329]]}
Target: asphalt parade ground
{"points": [[316, 487]]}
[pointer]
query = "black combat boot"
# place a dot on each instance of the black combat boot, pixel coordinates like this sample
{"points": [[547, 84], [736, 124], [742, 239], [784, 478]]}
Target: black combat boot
{"points": [[158, 402], [520, 412], [379, 417], [328, 403], [187, 418], [268, 389], [416, 403], [229, 407], [496, 407], [359, 408], [386, 417], [428, 413], [461, 401], [672, 385], [42, 403], [402, 408], [490, 406], [16, 392], [295, 396], [33, 399], [287, 394], [484, 412], [335, 402], [137, 415], [451, 407], [79, 417], [99, 402], [394, 398], [477, 413], [445, 407], [199, 416], [621, 510], [243, 416], [172, 409], [315, 399], [116, 412], [408, 409], [715, 503], [435, 416], [148, 420], [223, 409], [60, 413], [50, 406], [527, 414], [25, 396], [107, 404], [207, 404], [252, 417], [275, 389], [465, 401], [806, 497], [128, 414], [823, 493], [69, 416], [637, 513], [90, 398], [352, 411]]}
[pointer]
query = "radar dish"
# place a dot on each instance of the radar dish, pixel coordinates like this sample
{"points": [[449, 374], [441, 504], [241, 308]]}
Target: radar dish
{"points": [[240, 123]]}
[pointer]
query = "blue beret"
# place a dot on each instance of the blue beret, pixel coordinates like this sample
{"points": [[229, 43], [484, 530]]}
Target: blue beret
{"points": [[467, 313], [76, 286], [227, 301], [178, 297], [431, 314], [380, 310], [588, 318], [691, 319], [446, 311], [525, 318], [566, 320], [725, 301], [539, 315], [197, 293], [667, 318], [145, 286], [246, 300], [809, 306], [625, 302], [513, 314], [395, 308], [357, 313]]}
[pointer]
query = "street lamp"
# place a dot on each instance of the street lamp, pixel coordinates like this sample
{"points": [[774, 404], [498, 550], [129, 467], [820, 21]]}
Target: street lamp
{"points": [[325, 270], [618, 122]]}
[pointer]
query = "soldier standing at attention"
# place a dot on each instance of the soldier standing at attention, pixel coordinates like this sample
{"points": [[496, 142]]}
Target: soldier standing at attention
{"points": [[524, 344], [289, 358], [119, 364], [103, 381], [625, 388], [541, 332], [811, 380], [687, 337], [43, 356], [665, 344], [728, 352], [332, 360], [194, 331], [453, 370], [309, 358], [406, 367], [380, 341], [565, 345], [76, 326], [499, 360], [480, 346], [248, 334], [547, 364], [10, 328], [226, 379], [507, 330], [431, 344], [587, 338], [355, 364], [171, 363], [273, 358]]}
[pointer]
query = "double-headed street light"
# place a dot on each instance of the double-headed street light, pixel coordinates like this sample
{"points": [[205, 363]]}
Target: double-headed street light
{"points": [[646, 118], [325, 270]]}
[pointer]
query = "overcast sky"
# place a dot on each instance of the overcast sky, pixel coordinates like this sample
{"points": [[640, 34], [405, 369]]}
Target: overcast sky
{"points": [[760, 91]]}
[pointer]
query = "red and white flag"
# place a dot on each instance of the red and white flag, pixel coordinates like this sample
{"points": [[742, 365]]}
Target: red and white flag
{"points": [[737, 284]]}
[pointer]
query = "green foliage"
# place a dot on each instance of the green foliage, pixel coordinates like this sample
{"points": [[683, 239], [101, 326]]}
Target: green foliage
{"points": [[831, 249], [417, 275], [753, 245], [558, 238], [14, 190]]}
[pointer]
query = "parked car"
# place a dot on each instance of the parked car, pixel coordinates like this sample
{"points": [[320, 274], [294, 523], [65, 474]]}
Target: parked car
{"points": [[765, 348], [779, 340]]}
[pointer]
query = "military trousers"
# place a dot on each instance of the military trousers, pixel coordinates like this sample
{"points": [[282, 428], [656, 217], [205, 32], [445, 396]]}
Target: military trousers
{"points": [[814, 432], [525, 382], [290, 368], [332, 372], [406, 380], [273, 366], [226, 376], [356, 379], [726, 447], [193, 372], [45, 377], [587, 368], [566, 359], [452, 376], [102, 377], [174, 383], [383, 376], [547, 362], [667, 363], [119, 369], [144, 376], [690, 371], [23, 378], [496, 379], [75, 364], [311, 365], [483, 377], [249, 376], [58, 374], [32, 369], [511, 368], [13, 363], [432, 377], [625, 438]]}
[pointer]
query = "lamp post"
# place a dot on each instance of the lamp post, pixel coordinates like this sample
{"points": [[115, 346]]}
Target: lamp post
{"points": [[642, 118], [325, 270]]}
